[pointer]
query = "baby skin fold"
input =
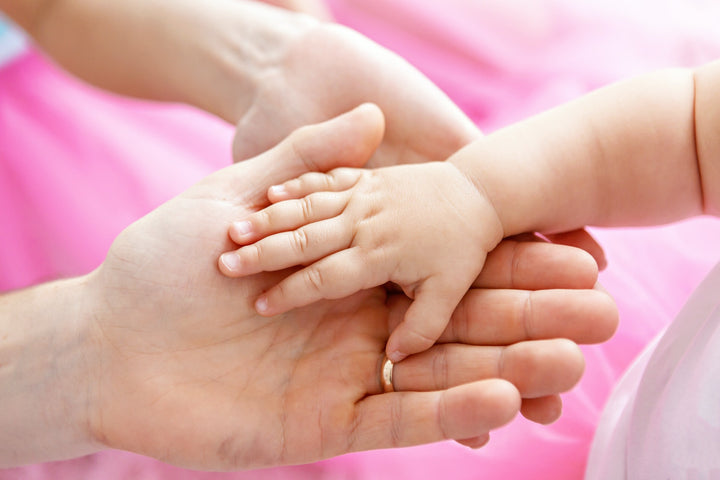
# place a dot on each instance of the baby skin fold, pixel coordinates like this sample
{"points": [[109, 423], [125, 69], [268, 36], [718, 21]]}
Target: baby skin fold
{"points": [[640, 152]]}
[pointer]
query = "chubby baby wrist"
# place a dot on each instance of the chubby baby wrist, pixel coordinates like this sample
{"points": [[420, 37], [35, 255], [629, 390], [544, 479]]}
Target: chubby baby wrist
{"points": [[493, 222]]}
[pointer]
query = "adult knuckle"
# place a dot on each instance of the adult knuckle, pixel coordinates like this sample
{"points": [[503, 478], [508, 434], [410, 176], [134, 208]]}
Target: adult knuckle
{"points": [[396, 419], [526, 316], [459, 325], [442, 417], [440, 367], [297, 145], [516, 265]]}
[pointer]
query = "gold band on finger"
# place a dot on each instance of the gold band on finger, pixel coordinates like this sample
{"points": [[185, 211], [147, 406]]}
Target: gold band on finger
{"points": [[386, 375]]}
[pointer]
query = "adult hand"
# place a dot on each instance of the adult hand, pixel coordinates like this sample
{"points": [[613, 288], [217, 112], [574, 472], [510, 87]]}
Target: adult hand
{"points": [[305, 82], [188, 372], [329, 69], [157, 353], [268, 69]]}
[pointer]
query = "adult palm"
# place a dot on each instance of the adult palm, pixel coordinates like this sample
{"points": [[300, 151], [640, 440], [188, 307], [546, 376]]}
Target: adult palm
{"points": [[188, 373], [326, 70], [330, 69]]}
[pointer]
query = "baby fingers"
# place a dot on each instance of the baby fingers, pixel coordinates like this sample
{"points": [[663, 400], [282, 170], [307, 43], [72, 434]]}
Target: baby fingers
{"points": [[334, 181], [287, 249], [337, 276], [426, 318], [288, 215]]}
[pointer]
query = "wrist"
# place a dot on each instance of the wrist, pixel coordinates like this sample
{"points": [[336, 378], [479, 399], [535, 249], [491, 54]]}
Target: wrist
{"points": [[46, 361], [207, 54], [244, 42], [469, 171], [507, 167], [489, 222]]}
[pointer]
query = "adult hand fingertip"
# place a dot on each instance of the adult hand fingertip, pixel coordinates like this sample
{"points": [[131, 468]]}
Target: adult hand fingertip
{"points": [[499, 403], [475, 442], [542, 410], [607, 316]]}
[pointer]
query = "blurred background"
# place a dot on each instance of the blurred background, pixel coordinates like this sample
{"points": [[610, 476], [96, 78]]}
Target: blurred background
{"points": [[500, 61]]}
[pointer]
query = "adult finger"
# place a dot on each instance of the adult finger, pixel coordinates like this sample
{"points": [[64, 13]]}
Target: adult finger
{"points": [[348, 140], [475, 442], [581, 239], [402, 419], [535, 265], [537, 369], [544, 410], [503, 317]]}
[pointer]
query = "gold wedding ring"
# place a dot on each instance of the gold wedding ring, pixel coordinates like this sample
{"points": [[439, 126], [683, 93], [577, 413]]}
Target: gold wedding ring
{"points": [[386, 375]]}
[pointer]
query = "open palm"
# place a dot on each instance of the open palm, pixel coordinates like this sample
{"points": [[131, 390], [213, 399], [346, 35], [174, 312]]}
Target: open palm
{"points": [[313, 82], [189, 374]]}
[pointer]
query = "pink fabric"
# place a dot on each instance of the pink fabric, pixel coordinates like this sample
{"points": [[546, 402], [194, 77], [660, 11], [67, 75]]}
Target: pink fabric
{"points": [[78, 166]]}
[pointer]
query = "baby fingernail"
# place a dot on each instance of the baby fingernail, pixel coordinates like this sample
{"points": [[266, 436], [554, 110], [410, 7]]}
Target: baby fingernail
{"points": [[231, 261], [396, 356], [261, 305], [243, 228], [277, 190]]}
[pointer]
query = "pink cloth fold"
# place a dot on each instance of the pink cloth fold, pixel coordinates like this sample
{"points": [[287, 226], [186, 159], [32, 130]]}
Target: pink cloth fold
{"points": [[78, 165]]}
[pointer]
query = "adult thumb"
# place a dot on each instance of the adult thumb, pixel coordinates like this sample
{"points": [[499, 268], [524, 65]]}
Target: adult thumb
{"points": [[348, 140]]}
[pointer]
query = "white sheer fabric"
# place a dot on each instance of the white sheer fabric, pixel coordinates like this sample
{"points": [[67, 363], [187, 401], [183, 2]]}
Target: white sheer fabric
{"points": [[663, 418]]}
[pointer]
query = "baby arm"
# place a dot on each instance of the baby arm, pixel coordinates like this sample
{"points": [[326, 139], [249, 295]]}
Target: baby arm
{"points": [[642, 152], [424, 227]]}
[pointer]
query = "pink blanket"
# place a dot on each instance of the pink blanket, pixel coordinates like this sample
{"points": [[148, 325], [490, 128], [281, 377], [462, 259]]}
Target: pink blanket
{"points": [[79, 165]]}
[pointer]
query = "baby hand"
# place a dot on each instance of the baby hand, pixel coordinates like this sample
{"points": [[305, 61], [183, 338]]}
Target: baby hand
{"points": [[424, 227]]}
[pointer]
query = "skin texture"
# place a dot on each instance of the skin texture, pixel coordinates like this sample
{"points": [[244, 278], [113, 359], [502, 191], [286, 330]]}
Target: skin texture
{"points": [[660, 127], [422, 228], [265, 69], [236, 60], [312, 83], [323, 361], [206, 54], [164, 356]]}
